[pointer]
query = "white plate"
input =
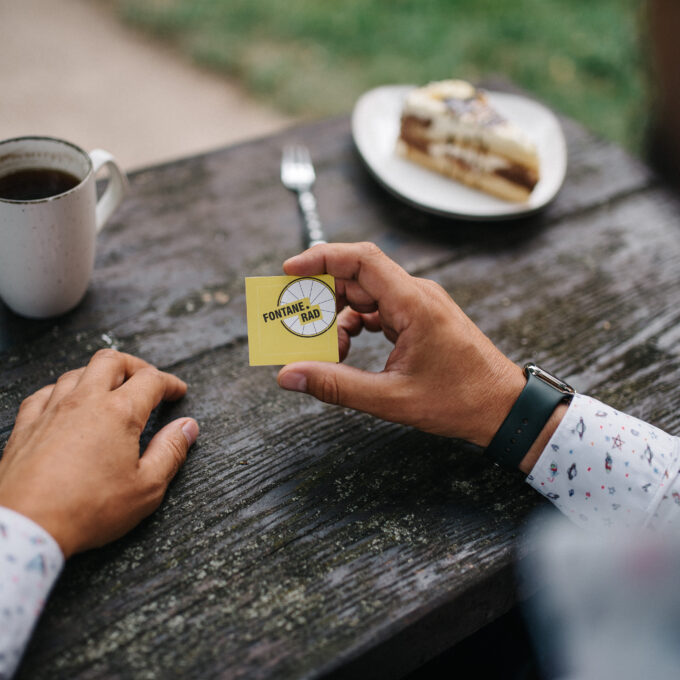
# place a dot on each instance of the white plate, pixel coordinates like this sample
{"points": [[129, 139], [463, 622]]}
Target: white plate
{"points": [[375, 127]]}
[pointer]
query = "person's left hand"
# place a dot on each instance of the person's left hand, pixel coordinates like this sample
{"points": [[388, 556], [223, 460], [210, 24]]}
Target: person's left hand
{"points": [[72, 462]]}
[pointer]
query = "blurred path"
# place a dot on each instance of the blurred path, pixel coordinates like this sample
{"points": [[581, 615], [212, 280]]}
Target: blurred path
{"points": [[68, 68]]}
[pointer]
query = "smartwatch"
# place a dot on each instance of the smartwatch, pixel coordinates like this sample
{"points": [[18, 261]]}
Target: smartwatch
{"points": [[528, 416]]}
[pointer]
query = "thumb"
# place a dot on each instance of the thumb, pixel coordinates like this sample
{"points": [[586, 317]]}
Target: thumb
{"points": [[342, 385], [167, 451]]}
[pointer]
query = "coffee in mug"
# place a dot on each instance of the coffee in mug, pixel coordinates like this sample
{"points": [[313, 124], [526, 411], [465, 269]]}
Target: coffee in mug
{"points": [[35, 183], [49, 219]]}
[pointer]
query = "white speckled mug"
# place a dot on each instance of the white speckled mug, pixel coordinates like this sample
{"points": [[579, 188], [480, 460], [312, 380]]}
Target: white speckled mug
{"points": [[47, 244]]}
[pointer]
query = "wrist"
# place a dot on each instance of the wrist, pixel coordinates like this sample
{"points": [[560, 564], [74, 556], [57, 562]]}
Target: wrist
{"points": [[47, 521], [507, 385], [30, 519], [531, 420], [534, 453]]}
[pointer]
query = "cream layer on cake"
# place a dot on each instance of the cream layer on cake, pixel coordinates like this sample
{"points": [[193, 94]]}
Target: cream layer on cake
{"points": [[450, 123]]}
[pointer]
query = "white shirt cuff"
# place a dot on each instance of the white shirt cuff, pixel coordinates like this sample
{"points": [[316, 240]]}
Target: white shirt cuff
{"points": [[604, 468], [30, 562]]}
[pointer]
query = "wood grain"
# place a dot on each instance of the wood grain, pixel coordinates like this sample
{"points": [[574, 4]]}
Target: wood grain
{"points": [[302, 540]]}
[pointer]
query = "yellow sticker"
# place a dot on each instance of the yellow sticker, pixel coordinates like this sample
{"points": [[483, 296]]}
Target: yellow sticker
{"points": [[291, 318]]}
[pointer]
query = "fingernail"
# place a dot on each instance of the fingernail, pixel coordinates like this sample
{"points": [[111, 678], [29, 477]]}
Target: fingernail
{"points": [[296, 382], [190, 431]]}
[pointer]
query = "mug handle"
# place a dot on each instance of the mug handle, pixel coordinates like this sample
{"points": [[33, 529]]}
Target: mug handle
{"points": [[116, 187]]}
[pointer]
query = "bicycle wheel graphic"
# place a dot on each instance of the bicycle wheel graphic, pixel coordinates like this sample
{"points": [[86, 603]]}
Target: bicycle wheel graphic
{"points": [[319, 294]]}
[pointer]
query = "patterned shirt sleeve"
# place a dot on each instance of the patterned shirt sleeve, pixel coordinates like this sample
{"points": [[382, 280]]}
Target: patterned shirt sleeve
{"points": [[30, 562], [603, 468]]}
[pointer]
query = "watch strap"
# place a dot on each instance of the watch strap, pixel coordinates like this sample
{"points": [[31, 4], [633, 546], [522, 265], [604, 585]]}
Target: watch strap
{"points": [[524, 423]]}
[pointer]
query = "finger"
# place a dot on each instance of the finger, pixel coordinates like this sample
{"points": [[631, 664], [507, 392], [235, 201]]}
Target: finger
{"points": [[64, 385], [350, 322], [109, 369], [375, 393], [372, 322], [30, 410], [166, 453], [381, 278], [33, 406], [344, 344], [148, 387], [351, 293], [375, 323]]}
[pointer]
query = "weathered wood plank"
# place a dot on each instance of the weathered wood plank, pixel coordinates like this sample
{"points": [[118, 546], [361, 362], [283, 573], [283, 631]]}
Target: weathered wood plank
{"points": [[302, 540], [169, 277], [294, 533], [595, 297]]}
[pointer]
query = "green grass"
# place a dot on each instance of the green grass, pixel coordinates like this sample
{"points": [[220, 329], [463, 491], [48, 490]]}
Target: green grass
{"points": [[315, 57]]}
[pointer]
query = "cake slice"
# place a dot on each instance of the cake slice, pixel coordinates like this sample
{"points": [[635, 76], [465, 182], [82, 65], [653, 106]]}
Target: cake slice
{"points": [[449, 126]]}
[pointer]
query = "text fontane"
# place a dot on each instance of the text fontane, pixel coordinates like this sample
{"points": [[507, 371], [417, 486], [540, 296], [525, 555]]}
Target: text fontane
{"points": [[302, 308]]}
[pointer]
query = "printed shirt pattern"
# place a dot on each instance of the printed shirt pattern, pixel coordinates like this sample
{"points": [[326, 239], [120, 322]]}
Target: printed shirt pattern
{"points": [[604, 468], [30, 562]]}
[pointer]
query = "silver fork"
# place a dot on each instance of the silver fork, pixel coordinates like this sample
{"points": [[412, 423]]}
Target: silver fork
{"points": [[297, 174]]}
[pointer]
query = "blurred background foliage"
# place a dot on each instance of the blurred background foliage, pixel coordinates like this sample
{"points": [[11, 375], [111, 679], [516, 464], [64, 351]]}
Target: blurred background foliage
{"points": [[311, 58]]}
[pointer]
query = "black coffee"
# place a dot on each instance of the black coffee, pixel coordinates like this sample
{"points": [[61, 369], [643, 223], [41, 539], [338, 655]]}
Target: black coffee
{"points": [[35, 183]]}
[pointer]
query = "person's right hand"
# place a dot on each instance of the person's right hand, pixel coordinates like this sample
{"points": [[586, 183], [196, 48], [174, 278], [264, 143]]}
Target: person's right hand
{"points": [[443, 376], [72, 462]]}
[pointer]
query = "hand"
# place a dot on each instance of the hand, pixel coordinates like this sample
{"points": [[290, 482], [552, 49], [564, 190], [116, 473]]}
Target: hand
{"points": [[443, 376], [72, 462]]}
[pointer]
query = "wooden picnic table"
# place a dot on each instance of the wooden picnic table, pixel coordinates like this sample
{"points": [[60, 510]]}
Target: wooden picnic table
{"points": [[302, 540]]}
